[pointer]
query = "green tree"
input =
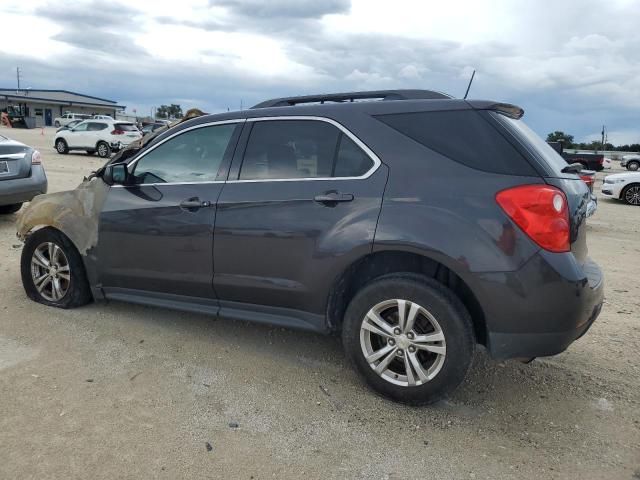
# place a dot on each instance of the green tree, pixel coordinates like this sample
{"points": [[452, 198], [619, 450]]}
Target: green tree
{"points": [[169, 111], [559, 136]]}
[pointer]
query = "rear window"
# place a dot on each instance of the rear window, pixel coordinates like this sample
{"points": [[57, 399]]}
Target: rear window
{"points": [[533, 142], [463, 136], [127, 127]]}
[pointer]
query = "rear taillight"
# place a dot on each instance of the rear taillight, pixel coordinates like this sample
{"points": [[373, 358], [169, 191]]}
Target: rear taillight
{"points": [[117, 132], [589, 180], [541, 212], [36, 158]]}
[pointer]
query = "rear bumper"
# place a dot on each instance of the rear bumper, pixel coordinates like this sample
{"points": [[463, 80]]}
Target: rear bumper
{"points": [[542, 308], [23, 189]]}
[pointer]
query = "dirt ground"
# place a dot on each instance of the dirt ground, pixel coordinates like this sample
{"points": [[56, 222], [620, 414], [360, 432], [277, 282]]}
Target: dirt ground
{"points": [[123, 391]]}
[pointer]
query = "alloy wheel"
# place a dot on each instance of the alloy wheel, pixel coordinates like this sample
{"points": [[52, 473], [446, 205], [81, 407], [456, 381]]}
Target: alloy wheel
{"points": [[102, 150], [403, 342], [50, 271], [60, 146], [632, 195]]}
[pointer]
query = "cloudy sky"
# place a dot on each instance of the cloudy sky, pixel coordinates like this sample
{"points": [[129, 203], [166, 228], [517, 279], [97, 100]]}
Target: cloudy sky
{"points": [[573, 65]]}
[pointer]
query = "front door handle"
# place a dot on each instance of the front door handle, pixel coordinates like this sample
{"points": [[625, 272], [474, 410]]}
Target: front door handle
{"points": [[332, 197], [193, 204]]}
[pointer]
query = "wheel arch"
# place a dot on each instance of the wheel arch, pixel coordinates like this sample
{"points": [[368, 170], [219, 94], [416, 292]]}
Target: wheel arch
{"points": [[397, 260]]}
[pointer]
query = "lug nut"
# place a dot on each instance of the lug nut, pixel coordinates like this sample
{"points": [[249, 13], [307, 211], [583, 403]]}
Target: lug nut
{"points": [[412, 348], [392, 342], [400, 353], [397, 331], [410, 335]]}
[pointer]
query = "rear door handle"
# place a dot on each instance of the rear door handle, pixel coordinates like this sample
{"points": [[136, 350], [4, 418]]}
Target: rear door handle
{"points": [[331, 197], [193, 204]]}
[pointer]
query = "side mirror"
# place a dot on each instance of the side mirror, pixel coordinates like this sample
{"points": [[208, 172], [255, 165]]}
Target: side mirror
{"points": [[116, 174]]}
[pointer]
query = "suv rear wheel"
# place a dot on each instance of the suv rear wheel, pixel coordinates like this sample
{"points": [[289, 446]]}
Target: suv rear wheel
{"points": [[409, 337], [103, 149], [633, 165], [52, 270]]}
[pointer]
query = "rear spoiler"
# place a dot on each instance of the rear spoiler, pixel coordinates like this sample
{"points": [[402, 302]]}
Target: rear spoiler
{"points": [[506, 109]]}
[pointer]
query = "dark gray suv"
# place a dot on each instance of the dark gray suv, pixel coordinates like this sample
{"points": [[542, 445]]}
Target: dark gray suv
{"points": [[414, 224]]}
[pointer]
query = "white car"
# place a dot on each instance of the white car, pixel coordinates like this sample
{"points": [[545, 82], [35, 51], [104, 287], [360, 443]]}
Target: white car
{"points": [[631, 162], [623, 186], [102, 136], [607, 164], [69, 117], [102, 117]]}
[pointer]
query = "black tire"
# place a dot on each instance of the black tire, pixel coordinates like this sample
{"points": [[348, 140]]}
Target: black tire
{"points": [[631, 197], [103, 149], [90, 152], [56, 124], [78, 292], [61, 146], [633, 166], [443, 305], [13, 208]]}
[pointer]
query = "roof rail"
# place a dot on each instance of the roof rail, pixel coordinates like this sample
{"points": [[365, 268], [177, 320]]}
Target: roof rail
{"points": [[353, 96]]}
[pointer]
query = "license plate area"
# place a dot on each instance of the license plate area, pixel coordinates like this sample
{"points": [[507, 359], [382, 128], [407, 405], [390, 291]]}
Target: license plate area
{"points": [[4, 168]]}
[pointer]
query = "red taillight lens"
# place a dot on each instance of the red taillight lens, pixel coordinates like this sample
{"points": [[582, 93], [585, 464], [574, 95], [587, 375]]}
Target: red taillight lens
{"points": [[541, 212], [589, 180], [36, 158], [117, 132]]}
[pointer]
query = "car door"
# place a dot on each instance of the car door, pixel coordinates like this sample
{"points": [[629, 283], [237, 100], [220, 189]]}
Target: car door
{"points": [[78, 136], [301, 203], [156, 233], [95, 132]]}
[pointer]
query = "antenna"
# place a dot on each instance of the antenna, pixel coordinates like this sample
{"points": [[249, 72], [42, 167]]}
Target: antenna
{"points": [[469, 86]]}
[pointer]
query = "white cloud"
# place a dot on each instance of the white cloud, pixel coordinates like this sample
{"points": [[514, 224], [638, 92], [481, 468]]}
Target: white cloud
{"points": [[571, 65]]}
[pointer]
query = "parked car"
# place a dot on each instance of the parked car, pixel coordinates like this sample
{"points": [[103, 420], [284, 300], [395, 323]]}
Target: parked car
{"points": [[22, 175], [631, 162], [152, 127], [102, 136], [607, 164], [623, 186], [102, 117], [69, 117], [589, 178], [589, 161], [416, 226], [69, 125]]}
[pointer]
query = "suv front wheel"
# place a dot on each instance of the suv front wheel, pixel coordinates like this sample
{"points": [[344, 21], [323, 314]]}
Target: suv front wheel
{"points": [[409, 337]]}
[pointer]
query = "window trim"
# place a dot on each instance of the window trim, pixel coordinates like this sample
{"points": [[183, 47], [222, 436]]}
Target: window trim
{"points": [[376, 161]]}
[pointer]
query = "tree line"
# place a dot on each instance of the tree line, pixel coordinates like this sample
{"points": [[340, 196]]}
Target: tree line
{"points": [[568, 142]]}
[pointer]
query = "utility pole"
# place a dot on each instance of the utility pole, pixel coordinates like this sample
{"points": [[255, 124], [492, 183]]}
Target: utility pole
{"points": [[18, 75], [603, 136]]}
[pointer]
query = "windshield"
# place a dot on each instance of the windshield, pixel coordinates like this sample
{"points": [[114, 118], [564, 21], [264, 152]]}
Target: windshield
{"points": [[532, 141]]}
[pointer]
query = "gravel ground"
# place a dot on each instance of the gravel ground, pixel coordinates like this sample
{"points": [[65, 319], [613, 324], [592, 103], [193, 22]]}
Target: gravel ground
{"points": [[123, 391]]}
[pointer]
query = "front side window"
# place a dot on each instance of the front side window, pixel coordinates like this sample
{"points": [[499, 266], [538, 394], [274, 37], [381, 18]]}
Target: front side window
{"points": [[194, 156], [290, 149], [81, 127]]}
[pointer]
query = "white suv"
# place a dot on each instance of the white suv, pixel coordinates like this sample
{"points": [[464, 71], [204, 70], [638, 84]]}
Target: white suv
{"points": [[69, 117], [102, 136]]}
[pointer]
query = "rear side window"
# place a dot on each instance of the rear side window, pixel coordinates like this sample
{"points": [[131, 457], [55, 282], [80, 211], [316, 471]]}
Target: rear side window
{"points": [[126, 127], [191, 157], [96, 126], [463, 136], [289, 149]]}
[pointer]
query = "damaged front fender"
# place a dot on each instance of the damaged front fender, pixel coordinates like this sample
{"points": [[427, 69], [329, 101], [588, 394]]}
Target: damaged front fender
{"points": [[75, 213]]}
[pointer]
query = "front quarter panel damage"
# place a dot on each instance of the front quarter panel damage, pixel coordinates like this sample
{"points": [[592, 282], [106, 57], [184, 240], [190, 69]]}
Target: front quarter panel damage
{"points": [[75, 213]]}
